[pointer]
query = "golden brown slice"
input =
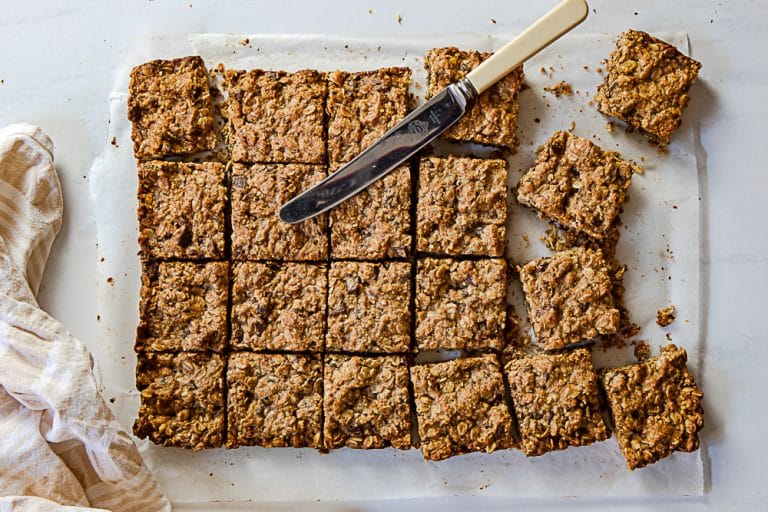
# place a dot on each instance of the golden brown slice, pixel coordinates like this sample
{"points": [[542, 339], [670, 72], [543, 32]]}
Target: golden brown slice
{"points": [[656, 407], [460, 407], [366, 402], [274, 400], [182, 399], [181, 210], [646, 84], [577, 184], [556, 401], [183, 307], [368, 307], [278, 306], [569, 298], [276, 117], [462, 206], [170, 108], [460, 304]]}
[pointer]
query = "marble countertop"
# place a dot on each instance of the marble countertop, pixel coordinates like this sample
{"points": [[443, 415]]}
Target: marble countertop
{"points": [[58, 62]]}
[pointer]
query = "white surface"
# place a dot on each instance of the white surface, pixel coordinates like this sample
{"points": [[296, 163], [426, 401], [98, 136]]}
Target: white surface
{"points": [[59, 61], [661, 218]]}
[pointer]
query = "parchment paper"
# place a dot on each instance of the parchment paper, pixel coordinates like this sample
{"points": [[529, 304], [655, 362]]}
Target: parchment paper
{"points": [[660, 243]]}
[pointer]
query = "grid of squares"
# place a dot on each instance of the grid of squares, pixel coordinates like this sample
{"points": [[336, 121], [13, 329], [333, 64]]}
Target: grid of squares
{"points": [[257, 333], [313, 327]]}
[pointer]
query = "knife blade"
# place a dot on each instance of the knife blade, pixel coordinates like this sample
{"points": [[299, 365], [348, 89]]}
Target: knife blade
{"points": [[427, 122]]}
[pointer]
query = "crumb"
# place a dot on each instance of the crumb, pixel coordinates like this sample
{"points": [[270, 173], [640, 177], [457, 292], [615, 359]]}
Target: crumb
{"points": [[112, 400], [572, 127], [560, 89], [493, 21], [668, 336], [586, 68], [543, 70], [599, 69], [370, 11], [642, 350], [666, 316], [399, 20], [98, 318], [110, 281], [609, 127], [245, 42], [114, 142], [101, 260], [537, 120]]}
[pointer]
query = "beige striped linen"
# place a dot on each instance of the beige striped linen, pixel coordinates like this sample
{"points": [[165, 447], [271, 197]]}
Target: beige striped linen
{"points": [[60, 445]]}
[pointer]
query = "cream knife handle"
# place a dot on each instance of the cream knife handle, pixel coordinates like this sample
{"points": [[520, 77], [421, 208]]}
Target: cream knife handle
{"points": [[535, 38]]}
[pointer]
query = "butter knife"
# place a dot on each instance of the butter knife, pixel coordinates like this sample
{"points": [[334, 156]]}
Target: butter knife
{"points": [[431, 119]]}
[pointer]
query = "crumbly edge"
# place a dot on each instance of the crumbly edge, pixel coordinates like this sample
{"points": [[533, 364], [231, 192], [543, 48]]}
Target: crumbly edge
{"points": [[656, 407]]}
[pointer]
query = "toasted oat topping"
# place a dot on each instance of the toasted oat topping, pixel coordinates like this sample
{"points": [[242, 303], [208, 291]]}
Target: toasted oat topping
{"points": [[182, 399], [666, 316], [375, 224], [278, 306], [183, 307], [568, 296], [462, 206], [460, 407], [274, 400], [362, 106], [258, 191], [169, 106], [181, 210], [276, 116], [656, 407], [577, 184], [493, 117], [556, 402], [646, 84], [366, 402], [460, 304], [368, 307]]}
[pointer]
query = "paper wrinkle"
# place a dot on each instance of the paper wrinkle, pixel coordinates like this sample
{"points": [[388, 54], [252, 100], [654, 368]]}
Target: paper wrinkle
{"points": [[653, 280]]}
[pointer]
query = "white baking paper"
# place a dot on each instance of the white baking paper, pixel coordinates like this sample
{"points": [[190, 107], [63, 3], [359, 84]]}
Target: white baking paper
{"points": [[660, 244]]}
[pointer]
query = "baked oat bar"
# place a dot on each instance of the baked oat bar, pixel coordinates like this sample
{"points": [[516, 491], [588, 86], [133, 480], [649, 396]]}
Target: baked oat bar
{"points": [[258, 191], [577, 184], [460, 304], [170, 108], [462, 206], [183, 307], [366, 402], [569, 298], [492, 119], [375, 224], [656, 407], [276, 116], [182, 399], [460, 407], [555, 400], [181, 210], [278, 306], [362, 106], [646, 84], [368, 307], [274, 400]]}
